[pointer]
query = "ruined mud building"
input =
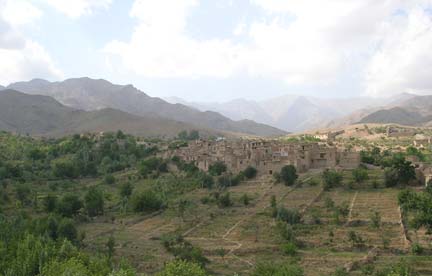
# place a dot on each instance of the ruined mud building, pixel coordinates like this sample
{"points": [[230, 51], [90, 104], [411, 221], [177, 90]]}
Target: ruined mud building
{"points": [[267, 156]]}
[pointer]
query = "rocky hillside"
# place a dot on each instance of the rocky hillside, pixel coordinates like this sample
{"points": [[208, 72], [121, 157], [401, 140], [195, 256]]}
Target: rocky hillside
{"points": [[415, 111]]}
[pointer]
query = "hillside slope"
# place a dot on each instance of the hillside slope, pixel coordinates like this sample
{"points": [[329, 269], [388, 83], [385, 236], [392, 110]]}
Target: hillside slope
{"points": [[42, 115], [410, 110], [90, 95]]}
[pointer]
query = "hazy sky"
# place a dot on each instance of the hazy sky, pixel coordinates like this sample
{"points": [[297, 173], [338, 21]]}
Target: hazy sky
{"points": [[216, 50]]}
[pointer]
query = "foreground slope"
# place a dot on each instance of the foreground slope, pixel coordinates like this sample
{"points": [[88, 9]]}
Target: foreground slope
{"points": [[90, 94], [42, 115]]}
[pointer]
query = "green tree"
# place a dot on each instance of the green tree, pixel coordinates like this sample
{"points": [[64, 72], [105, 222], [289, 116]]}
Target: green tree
{"points": [[69, 205], [50, 203], [110, 245], [94, 202], [225, 200], [182, 268], [288, 175], [250, 172], [360, 175], [376, 219], [331, 179], [217, 168], [109, 179], [147, 201], [290, 216], [67, 230], [126, 189], [70, 267]]}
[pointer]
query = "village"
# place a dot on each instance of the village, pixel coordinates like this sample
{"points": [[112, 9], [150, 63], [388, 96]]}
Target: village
{"points": [[270, 155], [267, 156]]}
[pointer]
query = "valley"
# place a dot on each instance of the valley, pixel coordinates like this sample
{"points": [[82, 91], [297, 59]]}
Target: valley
{"points": [[156, 207]]}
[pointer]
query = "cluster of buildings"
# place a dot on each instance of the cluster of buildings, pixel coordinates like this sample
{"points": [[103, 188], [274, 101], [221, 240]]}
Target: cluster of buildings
{"points": [[267, 156]]}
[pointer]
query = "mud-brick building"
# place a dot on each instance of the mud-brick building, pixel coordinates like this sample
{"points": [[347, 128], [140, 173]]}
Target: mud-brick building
{"points": [[267, 156]]}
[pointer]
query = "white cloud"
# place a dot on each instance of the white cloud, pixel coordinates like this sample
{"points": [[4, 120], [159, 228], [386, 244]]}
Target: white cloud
{"points": [[78, 8], [19, 12], [403, 62], [21, 58], [27, 63], [298, 41], [159, 46]]}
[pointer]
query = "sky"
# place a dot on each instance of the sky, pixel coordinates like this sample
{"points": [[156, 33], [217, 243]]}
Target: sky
{"points": [[218, 50]]}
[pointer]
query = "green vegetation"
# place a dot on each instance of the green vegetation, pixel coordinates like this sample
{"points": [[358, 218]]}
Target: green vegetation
{"points": [[111, 205], [288, 175], [331, 179]]}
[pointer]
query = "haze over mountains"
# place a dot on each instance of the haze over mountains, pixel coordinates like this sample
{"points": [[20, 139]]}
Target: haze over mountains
{"points": [[88, 105], [296, 113], [93, 95]]}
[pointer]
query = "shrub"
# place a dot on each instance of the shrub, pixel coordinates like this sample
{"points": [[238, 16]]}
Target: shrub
{"points": [[331, 179], [69, 205], [245, 199], [360, 175], [217, 168], [206, 181], [50, 203], [417, 249], [94, 202], [126, 189], [250, 172], [67, 230], [355, 239], [290, 216], [329, 203], [288, 175], [224, 181], [225, 200], [376, 219], [390, 177], [109, 179], [289, 249], [184, 250], [147, 201], [271, 269], [182, 268]]}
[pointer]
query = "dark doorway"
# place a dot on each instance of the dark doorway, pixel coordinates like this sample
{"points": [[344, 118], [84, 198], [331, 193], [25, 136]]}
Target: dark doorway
{"points": [[270, 172]]}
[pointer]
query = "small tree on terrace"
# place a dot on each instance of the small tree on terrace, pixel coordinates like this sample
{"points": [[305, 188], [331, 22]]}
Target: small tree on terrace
{"points": [[331, 179], [288, 175], [360, 175]]}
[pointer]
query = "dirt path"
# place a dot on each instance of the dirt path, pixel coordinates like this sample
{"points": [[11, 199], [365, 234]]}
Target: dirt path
{"points": [[351, 208]]}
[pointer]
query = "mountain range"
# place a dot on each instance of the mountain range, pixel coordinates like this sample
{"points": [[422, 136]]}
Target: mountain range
{"points": [[44, 116], [297, 113], [292, 113], [89, 105], [93, 95], [416, 111]]}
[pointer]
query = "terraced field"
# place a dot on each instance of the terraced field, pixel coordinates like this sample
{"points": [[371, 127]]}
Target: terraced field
{"points": [[238, 237]]}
